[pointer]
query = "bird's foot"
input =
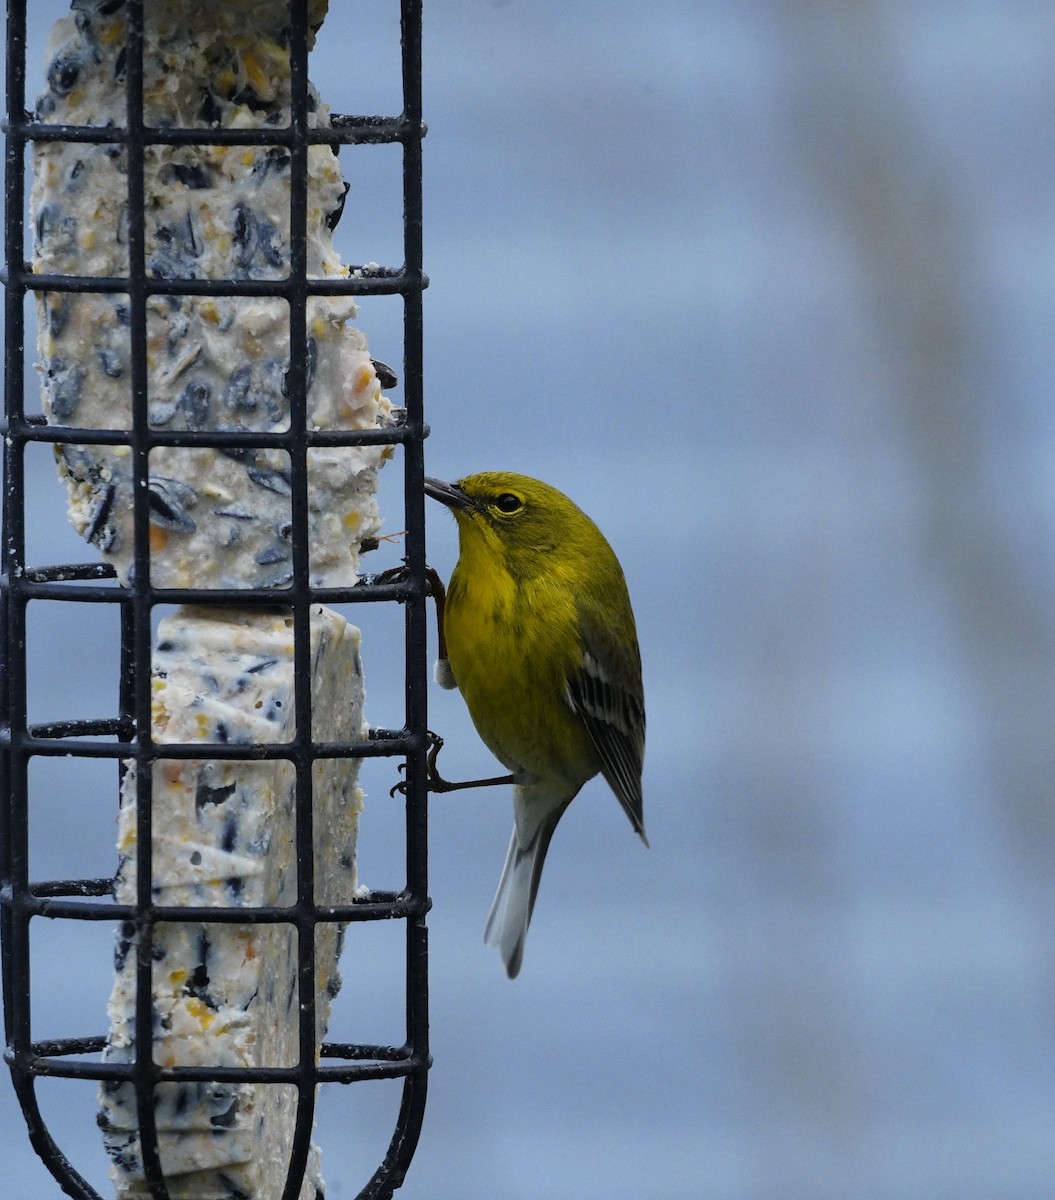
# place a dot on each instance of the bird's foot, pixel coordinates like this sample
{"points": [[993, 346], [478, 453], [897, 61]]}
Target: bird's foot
{"points": [[433, 584], [436, 782]]}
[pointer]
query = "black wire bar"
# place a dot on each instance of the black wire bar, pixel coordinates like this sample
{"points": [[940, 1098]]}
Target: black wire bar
{"points": [[127, 737]]}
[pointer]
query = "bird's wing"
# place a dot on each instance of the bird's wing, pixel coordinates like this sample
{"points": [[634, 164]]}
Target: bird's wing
{"points": [[610, 701]]}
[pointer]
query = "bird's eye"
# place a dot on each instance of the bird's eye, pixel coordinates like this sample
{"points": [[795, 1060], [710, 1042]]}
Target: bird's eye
{"points": [[508, 503]]}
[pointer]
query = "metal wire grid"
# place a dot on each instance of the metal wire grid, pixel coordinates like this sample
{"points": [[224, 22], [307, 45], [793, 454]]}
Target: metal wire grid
{"points": [[130, 732]]}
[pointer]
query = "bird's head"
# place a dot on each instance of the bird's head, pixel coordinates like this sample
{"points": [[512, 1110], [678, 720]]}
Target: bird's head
{"points": [[520, 517]]}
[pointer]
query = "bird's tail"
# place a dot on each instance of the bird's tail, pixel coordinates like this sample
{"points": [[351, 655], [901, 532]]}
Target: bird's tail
{"points": [[510, 915]]}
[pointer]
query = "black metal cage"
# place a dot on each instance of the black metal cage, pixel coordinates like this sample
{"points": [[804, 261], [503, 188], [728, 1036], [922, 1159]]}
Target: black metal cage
{"points": [[125, 736]]}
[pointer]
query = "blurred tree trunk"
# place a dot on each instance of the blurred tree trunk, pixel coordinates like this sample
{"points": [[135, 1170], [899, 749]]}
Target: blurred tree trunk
{"points": [[854, 142], [919, 274]]}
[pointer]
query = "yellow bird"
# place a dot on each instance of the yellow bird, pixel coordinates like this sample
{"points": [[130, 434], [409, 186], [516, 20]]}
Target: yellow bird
{"points": [[541, 643]]}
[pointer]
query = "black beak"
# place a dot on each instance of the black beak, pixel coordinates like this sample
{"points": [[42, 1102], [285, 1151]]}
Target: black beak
{"points": [[447, 493]]}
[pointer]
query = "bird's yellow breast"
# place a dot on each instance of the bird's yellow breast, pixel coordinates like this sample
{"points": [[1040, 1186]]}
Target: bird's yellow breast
{"points": [[512, 644]]}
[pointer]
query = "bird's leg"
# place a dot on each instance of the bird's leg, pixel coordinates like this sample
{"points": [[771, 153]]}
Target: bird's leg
{"points": [[433, 587], [436, 782], [438, 592]]}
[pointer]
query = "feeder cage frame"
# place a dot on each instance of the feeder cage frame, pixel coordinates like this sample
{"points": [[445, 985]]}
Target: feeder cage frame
{"points": [[126, 737]]}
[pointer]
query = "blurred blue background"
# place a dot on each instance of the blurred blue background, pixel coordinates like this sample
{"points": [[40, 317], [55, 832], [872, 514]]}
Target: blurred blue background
{"points": [[767, 287]]}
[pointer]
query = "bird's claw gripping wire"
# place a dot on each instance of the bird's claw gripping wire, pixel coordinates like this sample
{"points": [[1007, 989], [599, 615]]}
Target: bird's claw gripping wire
{"points": [[435, 746], [432, 772], [436, 782]]}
